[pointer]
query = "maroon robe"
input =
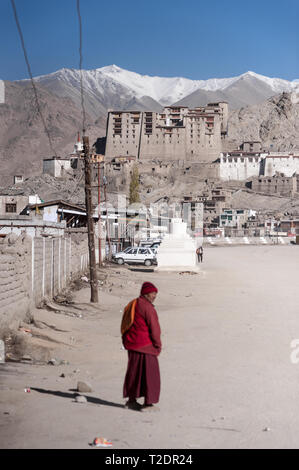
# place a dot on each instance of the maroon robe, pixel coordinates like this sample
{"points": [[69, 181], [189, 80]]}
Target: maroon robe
{"points": [[143, 342]]}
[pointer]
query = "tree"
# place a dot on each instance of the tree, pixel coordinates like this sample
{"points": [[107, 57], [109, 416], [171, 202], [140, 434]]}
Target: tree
{"points": [[134, 186]]}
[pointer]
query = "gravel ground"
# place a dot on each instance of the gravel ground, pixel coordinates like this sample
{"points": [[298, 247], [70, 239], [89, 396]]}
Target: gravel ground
{"points": [[227, 376]]}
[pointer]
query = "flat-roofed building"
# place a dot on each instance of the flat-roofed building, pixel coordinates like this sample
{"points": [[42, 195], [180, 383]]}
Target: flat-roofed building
{"points": [[177, 133]]}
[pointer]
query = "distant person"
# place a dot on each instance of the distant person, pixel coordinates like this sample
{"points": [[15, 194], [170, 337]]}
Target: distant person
{"points": [[199, 253], [141, 336]]}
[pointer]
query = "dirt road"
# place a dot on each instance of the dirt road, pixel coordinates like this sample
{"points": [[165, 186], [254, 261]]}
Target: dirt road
{"points": [[226, 370]]}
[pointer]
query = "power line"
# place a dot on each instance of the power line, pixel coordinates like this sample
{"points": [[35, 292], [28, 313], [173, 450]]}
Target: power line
{"points": [[35, 89], [77, 185], [80, 66], [31, 77]]}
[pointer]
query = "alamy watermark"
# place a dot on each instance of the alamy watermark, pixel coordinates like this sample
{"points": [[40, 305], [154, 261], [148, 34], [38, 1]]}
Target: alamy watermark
{"points": [[2, 92], [127, 220], [294, 357]]}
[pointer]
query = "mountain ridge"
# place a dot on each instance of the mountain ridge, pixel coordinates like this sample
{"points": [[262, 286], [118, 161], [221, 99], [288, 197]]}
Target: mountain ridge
{"points": [[273, 120], [112, 87]]}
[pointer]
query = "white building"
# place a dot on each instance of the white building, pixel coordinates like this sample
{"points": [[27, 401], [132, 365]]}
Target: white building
{"points": [[56, 166], [235, 217], [281, 162], [238, 165]]}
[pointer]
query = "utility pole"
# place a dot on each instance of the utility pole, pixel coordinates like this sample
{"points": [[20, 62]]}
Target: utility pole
{"points": [[99, 213], [107, 219], [90, 227]]}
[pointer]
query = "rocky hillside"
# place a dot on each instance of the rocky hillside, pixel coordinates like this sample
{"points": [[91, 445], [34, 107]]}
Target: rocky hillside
{"points": [[274, 122], [23, 141]]}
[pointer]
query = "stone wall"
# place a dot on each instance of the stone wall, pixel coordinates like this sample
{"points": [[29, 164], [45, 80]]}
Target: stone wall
{"points": [[34, 268], [15, 279], [279, 185]]}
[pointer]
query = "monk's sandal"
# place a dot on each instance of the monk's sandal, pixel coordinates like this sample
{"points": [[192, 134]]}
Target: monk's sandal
{"points": [[133, 405]]}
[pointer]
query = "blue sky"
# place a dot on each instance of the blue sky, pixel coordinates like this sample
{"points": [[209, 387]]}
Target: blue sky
{"points": [[195, 39]]}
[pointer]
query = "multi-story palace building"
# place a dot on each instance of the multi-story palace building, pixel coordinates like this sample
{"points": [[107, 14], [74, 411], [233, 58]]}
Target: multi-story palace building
{"points": [[177, 133]]}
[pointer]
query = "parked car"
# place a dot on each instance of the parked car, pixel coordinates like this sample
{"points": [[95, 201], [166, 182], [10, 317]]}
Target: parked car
{"points": [[136, 255], [152, 244], [155, 246]]}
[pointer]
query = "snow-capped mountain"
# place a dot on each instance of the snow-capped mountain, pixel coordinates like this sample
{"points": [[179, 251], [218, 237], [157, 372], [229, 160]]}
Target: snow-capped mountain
{"points": [[112, 87], [170, 90]]}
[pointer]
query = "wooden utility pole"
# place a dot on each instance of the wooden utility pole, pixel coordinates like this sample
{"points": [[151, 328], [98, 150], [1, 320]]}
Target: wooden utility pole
{"points": [[107, 220], [90, 227], [99, 213]]}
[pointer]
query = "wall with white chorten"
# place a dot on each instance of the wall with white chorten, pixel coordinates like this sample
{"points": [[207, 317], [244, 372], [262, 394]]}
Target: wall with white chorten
{"points": [[178, 249]]}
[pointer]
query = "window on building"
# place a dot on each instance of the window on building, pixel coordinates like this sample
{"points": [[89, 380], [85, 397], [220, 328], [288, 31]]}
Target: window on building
{"points": [[10, 208]]}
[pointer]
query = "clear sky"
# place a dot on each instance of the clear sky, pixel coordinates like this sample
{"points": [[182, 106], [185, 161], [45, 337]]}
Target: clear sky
{"points": [[197, 39]]}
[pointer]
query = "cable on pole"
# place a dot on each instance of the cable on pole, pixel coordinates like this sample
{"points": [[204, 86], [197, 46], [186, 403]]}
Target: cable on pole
{"points": [[31, 77], [80, 67]]}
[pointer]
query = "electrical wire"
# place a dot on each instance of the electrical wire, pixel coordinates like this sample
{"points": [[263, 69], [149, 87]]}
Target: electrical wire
{"points": [[80, 67], [35, 89], [31, 77], [77, 186], [33, 83]]}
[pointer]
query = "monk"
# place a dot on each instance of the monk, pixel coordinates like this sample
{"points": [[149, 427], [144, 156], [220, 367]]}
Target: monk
{"points": [[141, 336]]}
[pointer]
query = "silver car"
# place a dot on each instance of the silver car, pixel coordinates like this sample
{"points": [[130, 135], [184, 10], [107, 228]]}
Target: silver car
{"points": [[136, 255]]}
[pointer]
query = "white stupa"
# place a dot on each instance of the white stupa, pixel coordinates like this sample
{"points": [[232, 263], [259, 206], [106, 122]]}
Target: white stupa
{"points": [[78, 147], [177, 251]]}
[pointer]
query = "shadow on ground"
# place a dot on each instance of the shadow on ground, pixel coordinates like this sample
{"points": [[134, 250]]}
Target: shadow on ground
{"points": [[142, 270], [94, 400]]}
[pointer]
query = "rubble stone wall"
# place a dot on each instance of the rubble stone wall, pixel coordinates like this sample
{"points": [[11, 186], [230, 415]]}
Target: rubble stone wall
{"points": [[34, 268], [15, 280]]}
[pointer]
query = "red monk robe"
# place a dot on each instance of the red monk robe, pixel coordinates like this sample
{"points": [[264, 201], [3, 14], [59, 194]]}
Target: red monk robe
{"points": [[142, 338]]}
